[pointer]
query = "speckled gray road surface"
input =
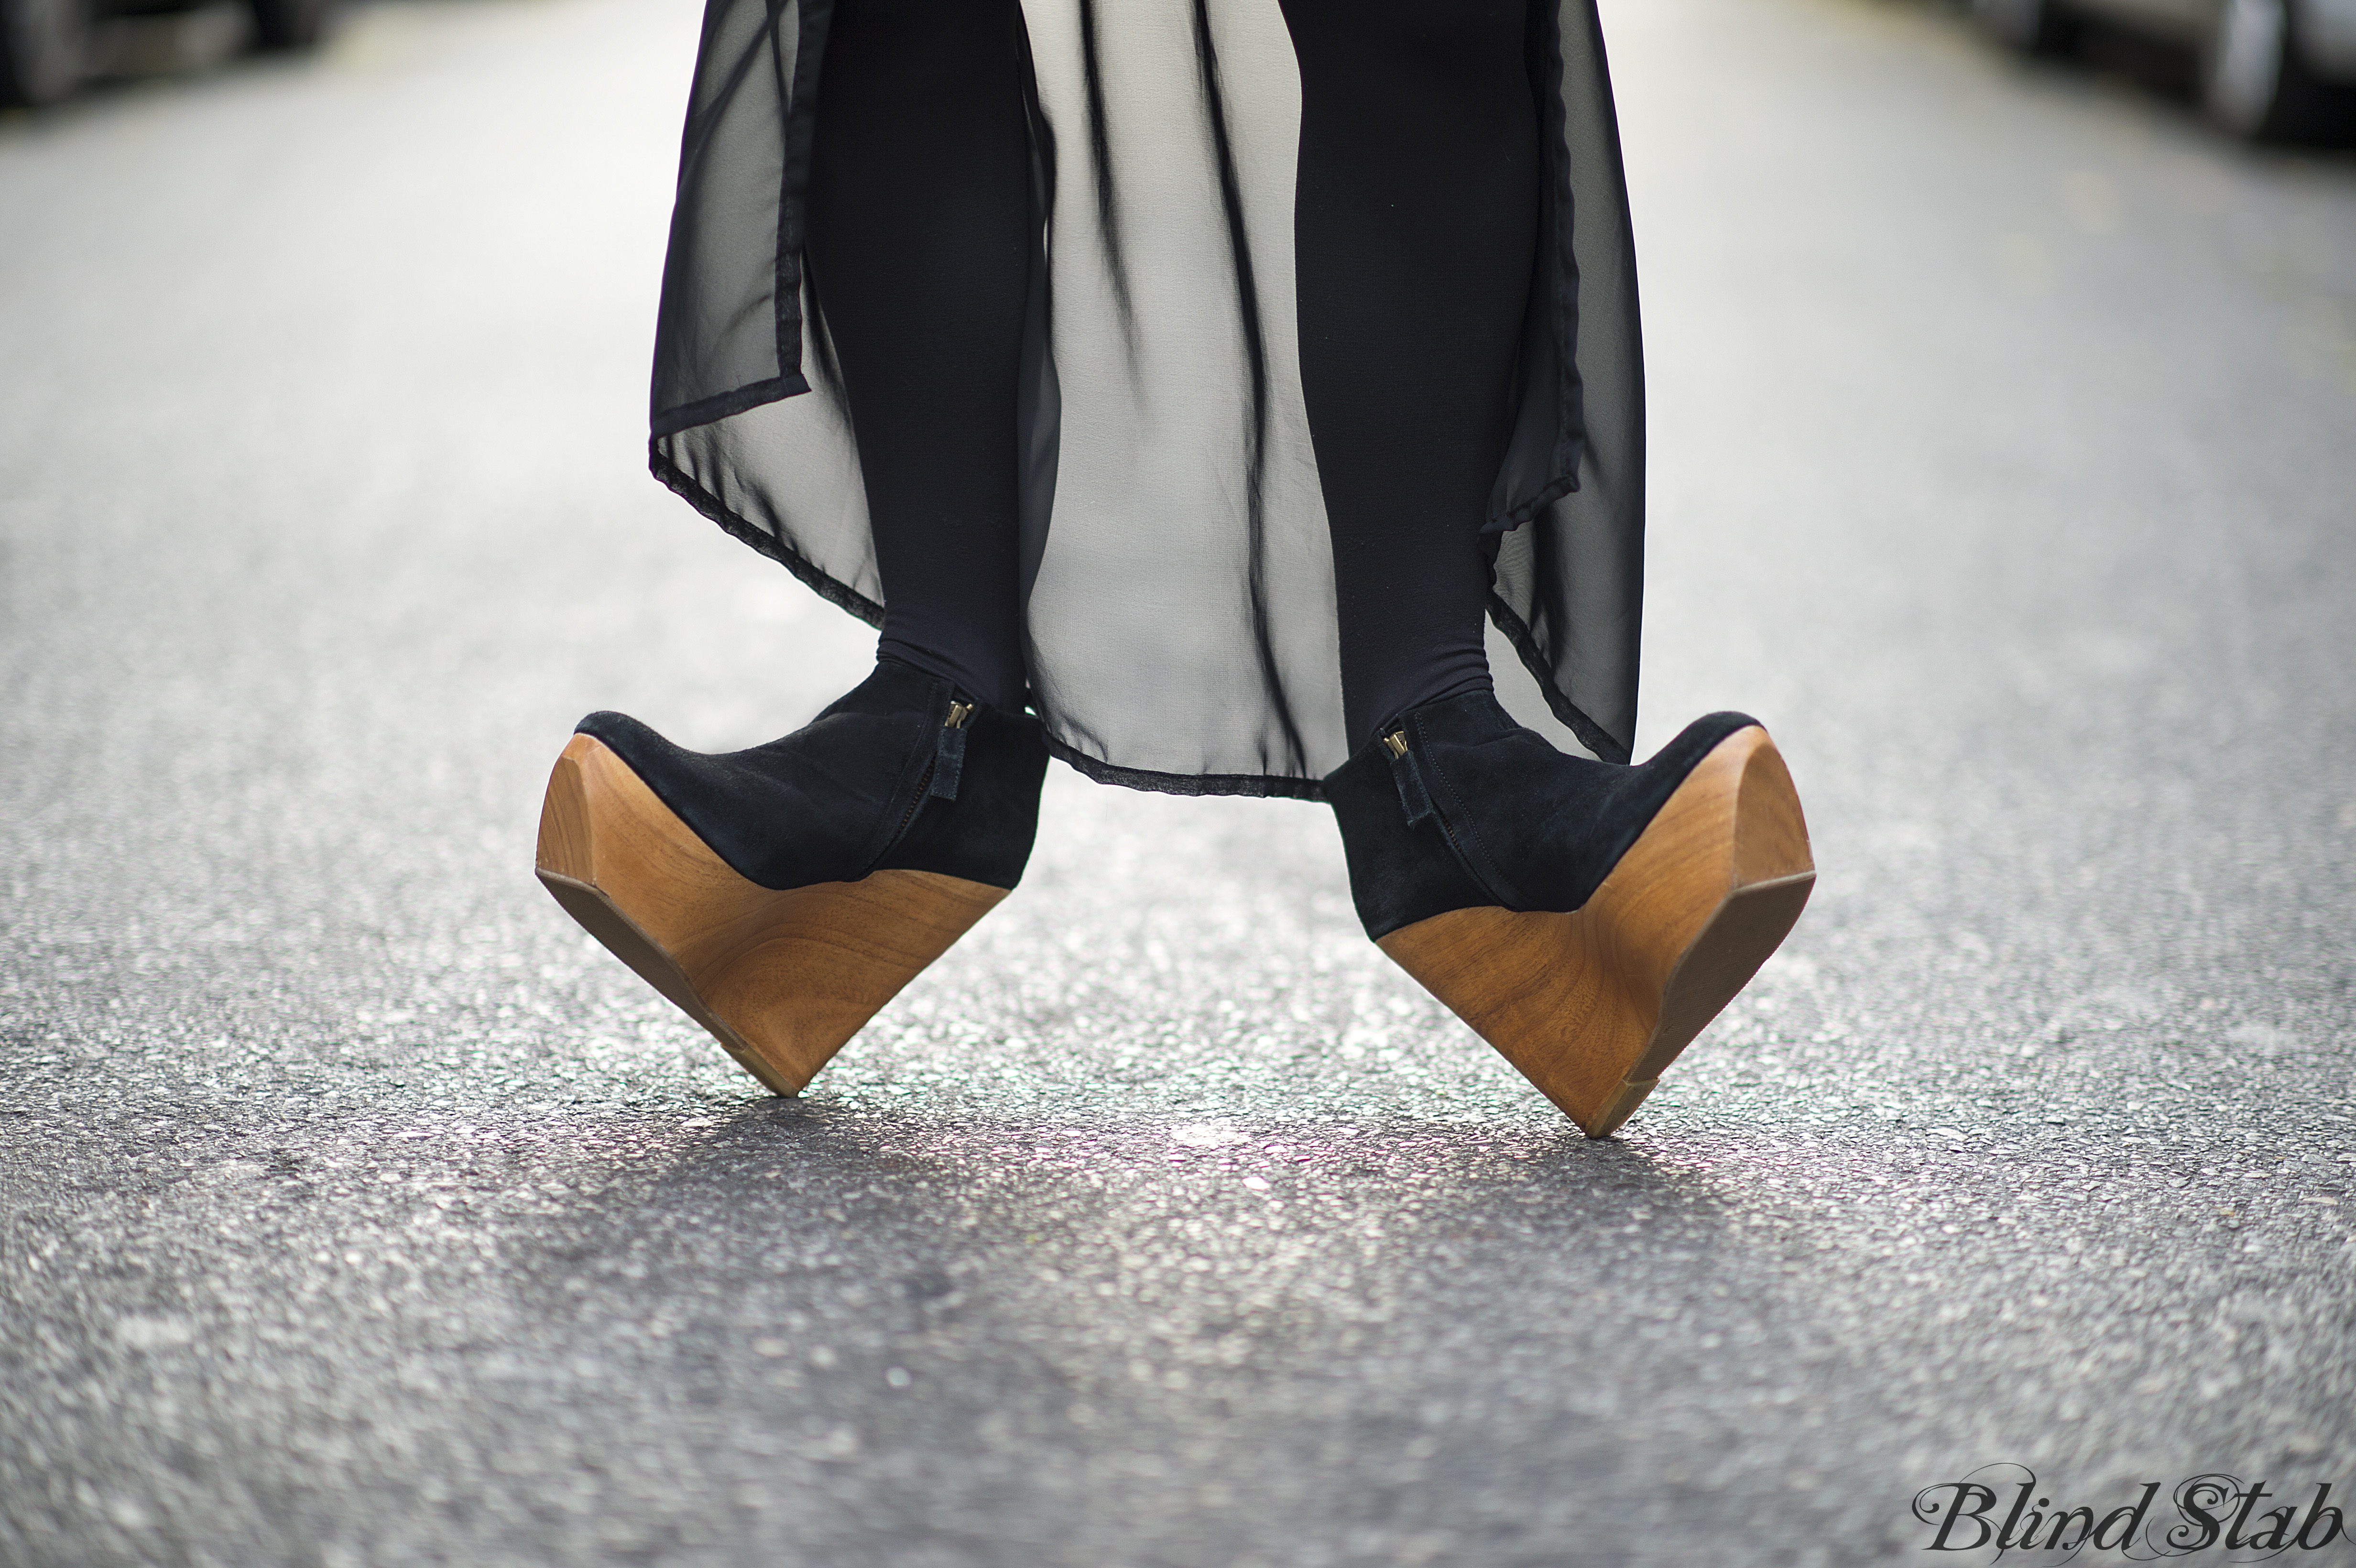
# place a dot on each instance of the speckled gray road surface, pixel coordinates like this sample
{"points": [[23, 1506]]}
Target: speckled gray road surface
{"points": [[355, 1209]]}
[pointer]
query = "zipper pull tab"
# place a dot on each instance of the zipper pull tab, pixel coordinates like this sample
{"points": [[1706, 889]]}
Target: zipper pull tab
{"points": [[948, 751], [1408, 776]]}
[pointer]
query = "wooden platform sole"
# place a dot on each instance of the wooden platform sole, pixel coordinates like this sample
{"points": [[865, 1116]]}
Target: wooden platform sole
{"points": [[781, 979], [1591, 1006]]}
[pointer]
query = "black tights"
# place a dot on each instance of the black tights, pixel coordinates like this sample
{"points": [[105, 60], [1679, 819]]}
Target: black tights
{"points": [[1415, 231]]}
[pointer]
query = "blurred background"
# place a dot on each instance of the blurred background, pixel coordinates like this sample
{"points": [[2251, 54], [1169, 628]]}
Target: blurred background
{"points": [[2265, 69], [355, 1208], [51, 49]]}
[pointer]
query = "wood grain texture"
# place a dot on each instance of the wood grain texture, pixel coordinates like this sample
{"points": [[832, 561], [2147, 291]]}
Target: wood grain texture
{"points": [[781, 979], [1593, 1005]]}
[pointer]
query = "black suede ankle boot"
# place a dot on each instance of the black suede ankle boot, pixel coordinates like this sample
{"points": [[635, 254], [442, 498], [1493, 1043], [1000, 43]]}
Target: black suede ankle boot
{"points": [[900, 773], [1456, 806], [1586, 919], [781, 895]]}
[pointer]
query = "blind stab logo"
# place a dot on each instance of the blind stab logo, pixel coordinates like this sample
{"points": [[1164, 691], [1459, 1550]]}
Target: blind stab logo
{"points": [[1998, 1509]]}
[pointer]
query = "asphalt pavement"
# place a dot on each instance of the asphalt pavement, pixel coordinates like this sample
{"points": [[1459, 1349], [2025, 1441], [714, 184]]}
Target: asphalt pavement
{"points": [[356, 1210]]}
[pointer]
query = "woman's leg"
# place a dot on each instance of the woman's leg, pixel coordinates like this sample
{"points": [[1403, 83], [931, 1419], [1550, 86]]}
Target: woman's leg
{"points": [[920, 210], [1416, 227], [1480, 855]]}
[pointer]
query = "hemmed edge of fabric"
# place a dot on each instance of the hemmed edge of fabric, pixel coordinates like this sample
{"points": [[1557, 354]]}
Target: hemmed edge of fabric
{"points": [[721, 405], [1565, 481], [840, 594], [1261, 787], [1591, 735]]}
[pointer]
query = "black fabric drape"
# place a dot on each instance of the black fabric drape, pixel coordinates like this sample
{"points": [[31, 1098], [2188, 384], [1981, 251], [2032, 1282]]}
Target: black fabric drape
{"points": [[1176, 577]]}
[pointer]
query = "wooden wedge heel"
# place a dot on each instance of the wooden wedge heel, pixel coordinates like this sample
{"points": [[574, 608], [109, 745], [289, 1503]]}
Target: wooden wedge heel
{"points": [[782, 980], [1593, 1004], [1586, 919], [781, 896]]}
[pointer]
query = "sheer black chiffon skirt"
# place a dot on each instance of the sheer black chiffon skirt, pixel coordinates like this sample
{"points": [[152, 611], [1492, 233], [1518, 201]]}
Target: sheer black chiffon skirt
{"points": [[1175, 592]]}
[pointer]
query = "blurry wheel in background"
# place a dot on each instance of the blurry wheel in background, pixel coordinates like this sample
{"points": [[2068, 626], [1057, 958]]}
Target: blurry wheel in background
{"points": [[44, 48], [2032, 27], [2252, 82], [290, 24]]}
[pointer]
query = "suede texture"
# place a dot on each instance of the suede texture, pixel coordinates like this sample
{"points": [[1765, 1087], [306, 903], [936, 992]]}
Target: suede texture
{"points": [[1482, 812], [984, 833], [855, 790], [1399, 873]]}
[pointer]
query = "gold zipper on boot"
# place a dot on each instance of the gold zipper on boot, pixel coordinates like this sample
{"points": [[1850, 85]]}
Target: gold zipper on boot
{"points": [[1396, 743], [958, 713]]}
